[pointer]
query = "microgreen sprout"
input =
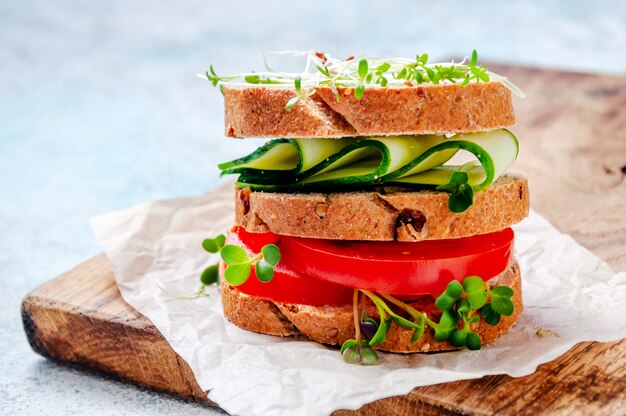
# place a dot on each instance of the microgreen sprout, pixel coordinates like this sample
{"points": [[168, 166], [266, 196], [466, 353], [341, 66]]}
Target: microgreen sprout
{"points": [[300, 94], [239, 264], [461, 306], [323, 70], [363, 74], [467, 300], [358, 351], [461, 192], [210, 275]]}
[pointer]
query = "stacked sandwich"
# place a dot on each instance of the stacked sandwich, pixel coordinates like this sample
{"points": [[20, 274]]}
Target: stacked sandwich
{"points": [[378, 215]]}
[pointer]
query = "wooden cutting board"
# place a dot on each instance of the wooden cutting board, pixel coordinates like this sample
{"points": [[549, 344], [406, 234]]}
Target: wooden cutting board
{"points": [[572, 129]]}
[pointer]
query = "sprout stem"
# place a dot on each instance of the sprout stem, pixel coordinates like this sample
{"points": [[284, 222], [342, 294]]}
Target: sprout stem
{"points": [[357, 326], [411, 311]]}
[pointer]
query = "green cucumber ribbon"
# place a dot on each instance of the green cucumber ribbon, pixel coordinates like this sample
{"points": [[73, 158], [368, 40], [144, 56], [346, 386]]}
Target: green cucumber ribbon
{"points": [[408, 161]]}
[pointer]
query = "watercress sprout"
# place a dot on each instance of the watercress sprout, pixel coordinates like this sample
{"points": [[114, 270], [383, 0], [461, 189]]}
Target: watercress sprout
{"points": [[322, 69], [239, 264], [461, 192], [363, 74], [461, 305], [357, 351]]}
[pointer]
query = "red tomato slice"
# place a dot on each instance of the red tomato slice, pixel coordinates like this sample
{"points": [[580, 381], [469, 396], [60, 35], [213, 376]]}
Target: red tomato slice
{"points": [[424, 267], [287, 285]]}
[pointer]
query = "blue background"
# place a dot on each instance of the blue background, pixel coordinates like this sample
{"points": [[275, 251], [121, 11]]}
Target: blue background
{"points": [[100, 109]]}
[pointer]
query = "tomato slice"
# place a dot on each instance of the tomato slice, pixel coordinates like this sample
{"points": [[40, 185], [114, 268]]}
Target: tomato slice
{"points": [[287, 285], [400, 268], [324, 272]]}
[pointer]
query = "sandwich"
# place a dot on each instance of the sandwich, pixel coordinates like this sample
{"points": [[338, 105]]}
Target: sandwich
{"points": [[378, 214]]}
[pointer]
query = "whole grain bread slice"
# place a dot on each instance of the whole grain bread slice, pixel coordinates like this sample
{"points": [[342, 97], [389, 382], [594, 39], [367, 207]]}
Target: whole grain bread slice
{"points": [[335, 324], [259, 110], [383, 215]]}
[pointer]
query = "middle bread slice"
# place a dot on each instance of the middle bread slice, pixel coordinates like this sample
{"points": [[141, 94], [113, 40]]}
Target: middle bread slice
{"points": [[385, 214]]}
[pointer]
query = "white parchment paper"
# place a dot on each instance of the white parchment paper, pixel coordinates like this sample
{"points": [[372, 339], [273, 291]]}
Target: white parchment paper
{"points": [[156, 255]]}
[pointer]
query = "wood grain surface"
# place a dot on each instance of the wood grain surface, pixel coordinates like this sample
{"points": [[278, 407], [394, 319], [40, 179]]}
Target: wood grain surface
{"points": [[572, 131]]}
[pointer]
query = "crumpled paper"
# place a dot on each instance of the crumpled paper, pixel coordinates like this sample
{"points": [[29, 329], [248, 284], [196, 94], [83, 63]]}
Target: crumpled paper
{"points": [[156, 255]]}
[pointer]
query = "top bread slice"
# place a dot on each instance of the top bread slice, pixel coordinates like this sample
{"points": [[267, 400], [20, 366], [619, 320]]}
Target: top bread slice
{"points": [[259, 110]]}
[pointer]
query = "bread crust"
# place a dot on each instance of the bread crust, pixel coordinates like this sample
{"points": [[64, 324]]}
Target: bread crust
{"points": [[376, 215], [334, 325], [259, 111]]}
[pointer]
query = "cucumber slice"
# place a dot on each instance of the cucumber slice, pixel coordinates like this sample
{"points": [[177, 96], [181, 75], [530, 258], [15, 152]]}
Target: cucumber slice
{"points": [[501, 146], [307, 164], [495, 150], [441, 175], [313, 152], [360, 162], [285, 157], [379, 156], [355, 158], [279, 154]]}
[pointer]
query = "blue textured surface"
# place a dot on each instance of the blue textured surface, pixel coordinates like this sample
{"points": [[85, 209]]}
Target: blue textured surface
{"points": [[100, 109]]}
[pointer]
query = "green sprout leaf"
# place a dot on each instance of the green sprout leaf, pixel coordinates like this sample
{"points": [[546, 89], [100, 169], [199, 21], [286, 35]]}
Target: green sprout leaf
{"points": [[489, 315], [474, 287], [501, 300], [237, 274], [363, 68], [381, 334], [232, 255], [430, 72], [474, 59], [453, 292], [351, 355], [359, 91], [384, 67], [463, 307], [363, 355], [482, 75], [419, 331], [212, 76], [264, 270], [458, 338], [347, 344], [293, 101], [465, 338], [324, 70], [253, 79], [403, 322], [214, 245], [210, 275], [472, 342], [462, 199], [444, 302], [446, 326], [298, 84], [271, 254], [461, 192]]}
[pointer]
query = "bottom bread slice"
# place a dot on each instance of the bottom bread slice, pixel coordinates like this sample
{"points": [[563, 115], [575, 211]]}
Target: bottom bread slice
{"points": [[335, 324]]}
